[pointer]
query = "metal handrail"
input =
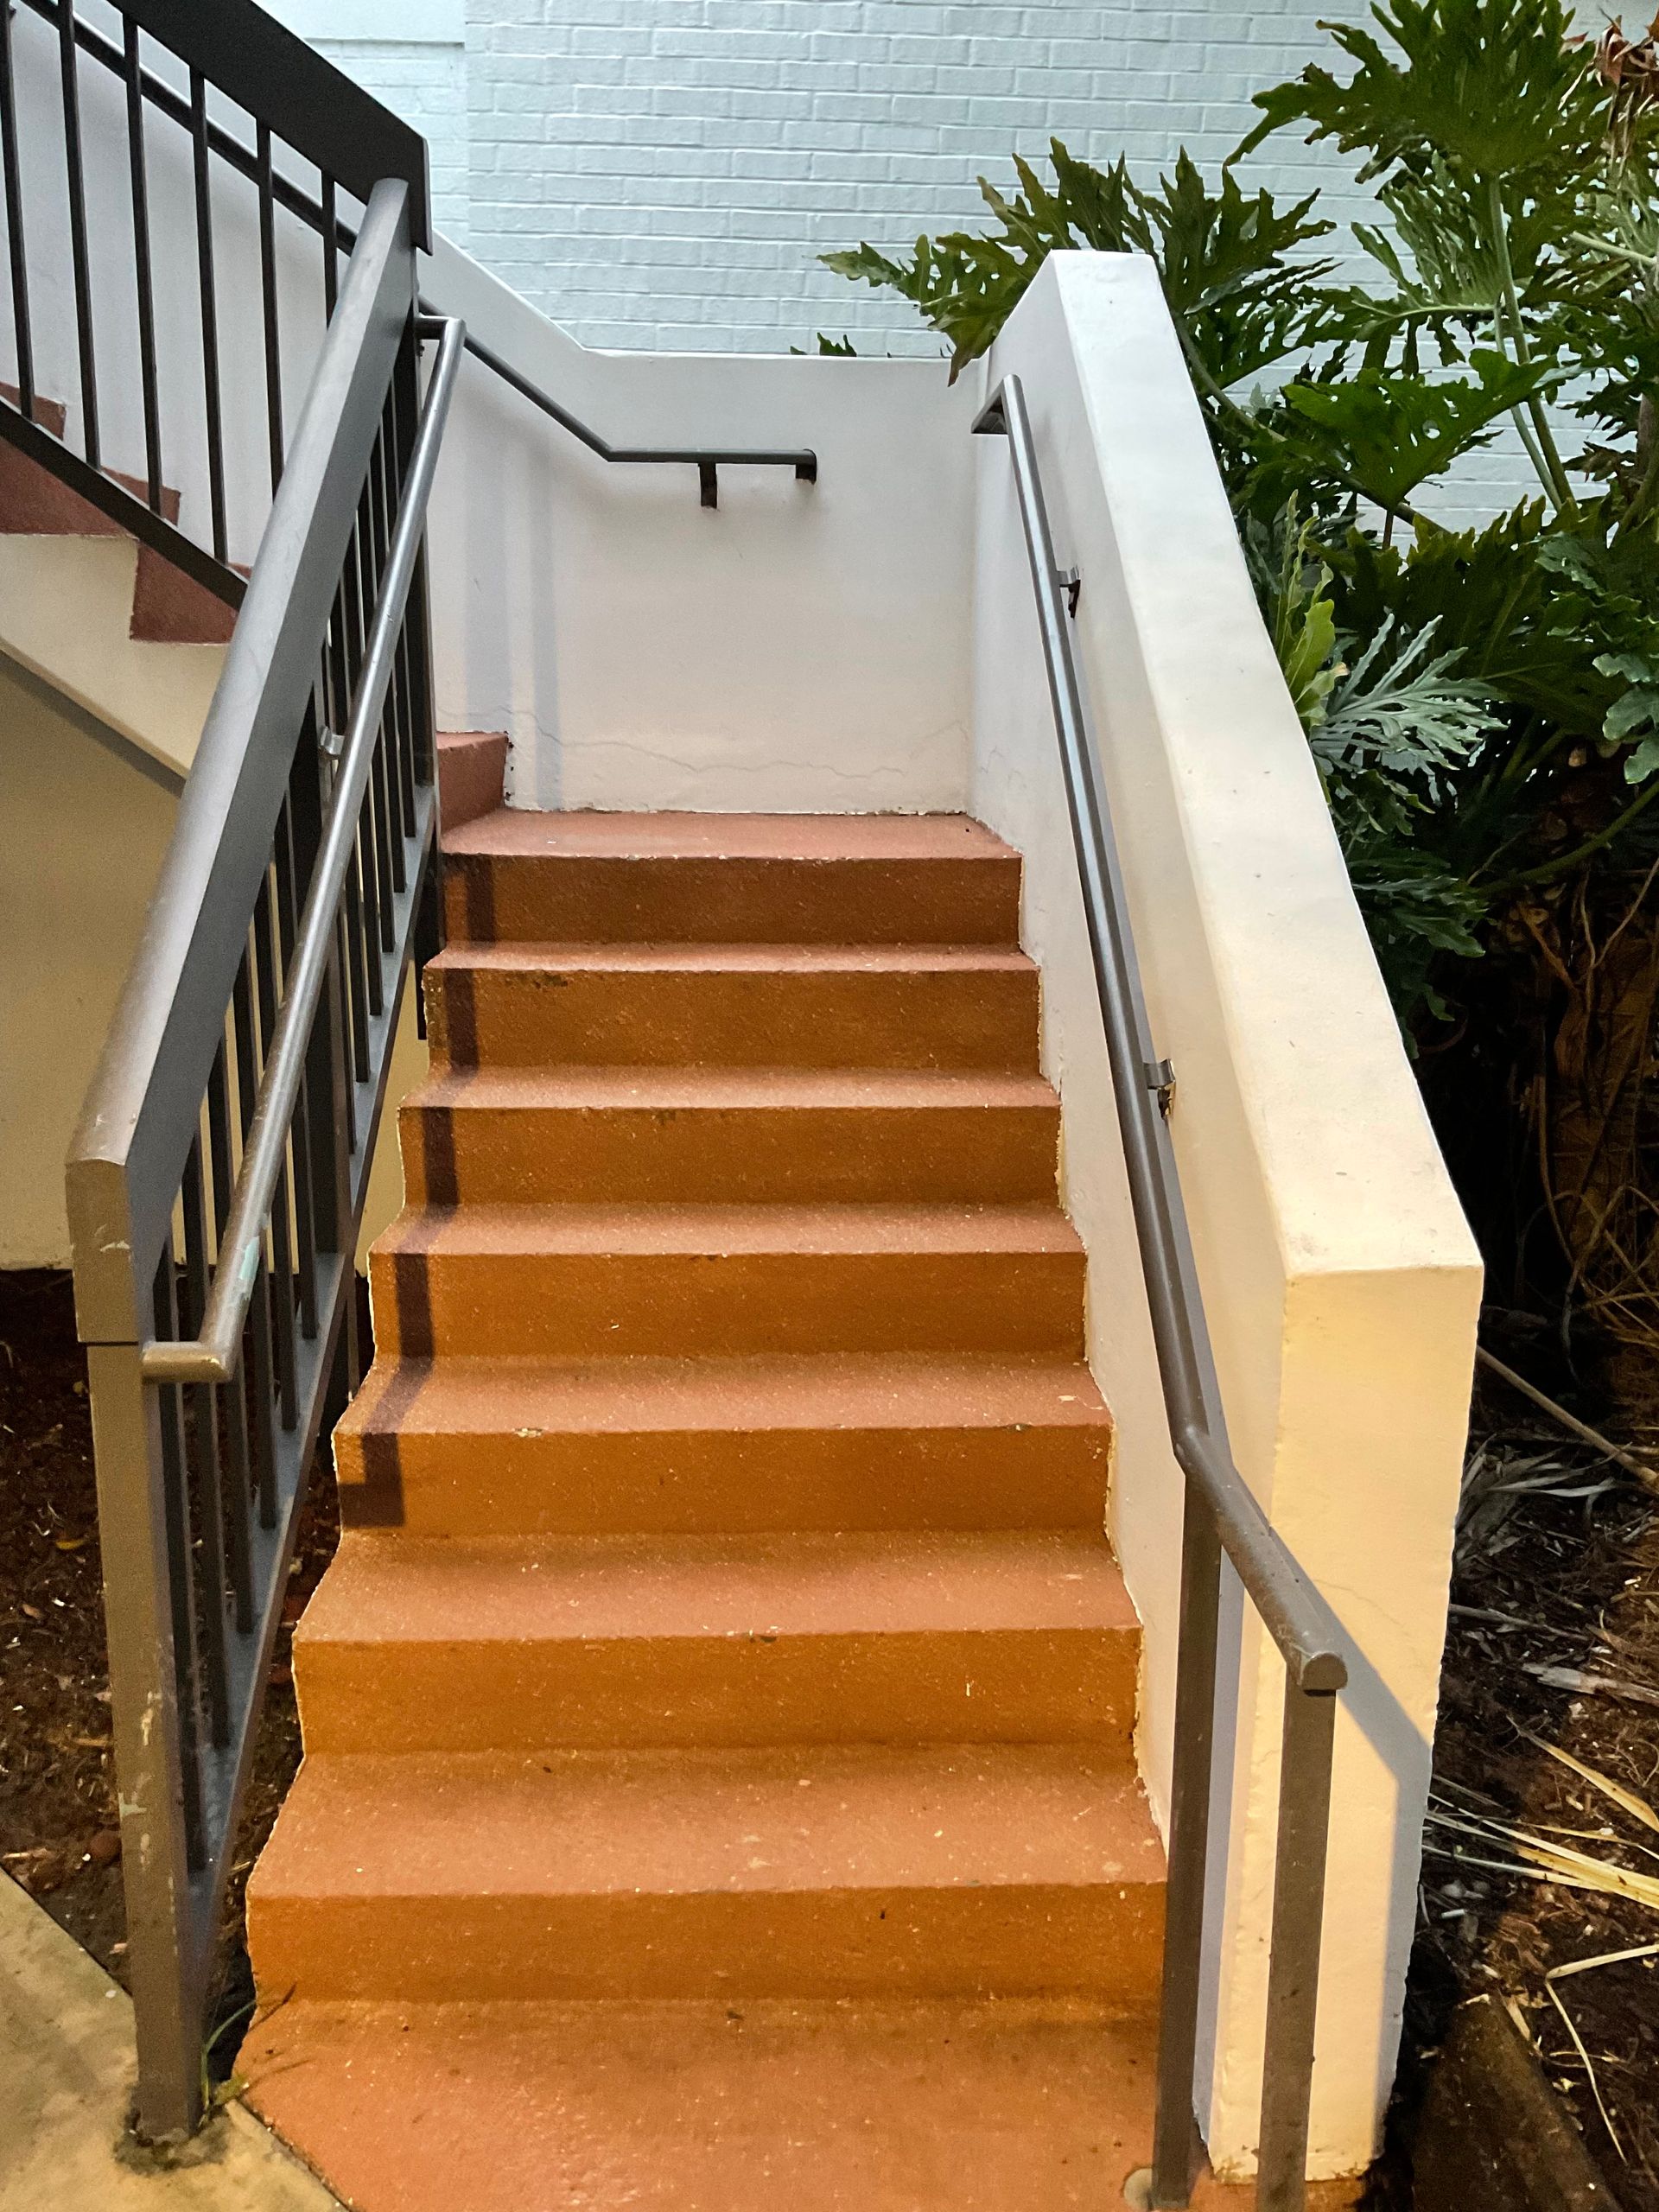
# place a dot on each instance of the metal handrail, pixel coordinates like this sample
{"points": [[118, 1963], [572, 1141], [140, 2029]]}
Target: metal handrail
{"points": [[1222, 1517], [706, 459], [214, 1355]]}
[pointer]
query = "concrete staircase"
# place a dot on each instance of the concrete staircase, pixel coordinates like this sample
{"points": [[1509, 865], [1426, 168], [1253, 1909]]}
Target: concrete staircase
{"points": [[718, 1788], [103, 619]]}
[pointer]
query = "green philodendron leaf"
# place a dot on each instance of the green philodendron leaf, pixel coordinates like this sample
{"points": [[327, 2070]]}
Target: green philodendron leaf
{"points": [[1391, 432], [1635, 668], [1643, 762], [1490, 87], [1633, 710]]}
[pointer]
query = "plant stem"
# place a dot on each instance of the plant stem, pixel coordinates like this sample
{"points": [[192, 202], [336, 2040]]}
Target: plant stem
{"points": [[1568, 861], [1548, 460]]}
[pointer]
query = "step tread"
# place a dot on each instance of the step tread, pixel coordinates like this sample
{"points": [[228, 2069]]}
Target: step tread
{"points": [[724, 1230], [402, 1589], [851, 1390], [688, 1823], [525, 957], [674, 1088], [523, 832]]}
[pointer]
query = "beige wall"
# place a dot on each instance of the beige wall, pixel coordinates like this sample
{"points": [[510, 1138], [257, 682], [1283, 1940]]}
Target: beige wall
{"points": [[82, 833]]}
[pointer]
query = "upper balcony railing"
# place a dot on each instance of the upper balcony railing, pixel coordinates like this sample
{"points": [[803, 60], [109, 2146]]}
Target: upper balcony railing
{"points": [[198, 173]]}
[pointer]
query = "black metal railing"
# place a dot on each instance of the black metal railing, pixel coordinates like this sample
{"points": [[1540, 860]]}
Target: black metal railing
{"points": [[708, 460], [217, 1180], [231, 111], [1222, 1517]]}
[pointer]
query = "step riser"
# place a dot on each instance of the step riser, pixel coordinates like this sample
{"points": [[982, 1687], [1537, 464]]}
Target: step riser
{"points": [[725, 1691], [1104, 1943], [679, 1483], [761, 1018], [578, 899], [584, 1305], [712, 1155]]}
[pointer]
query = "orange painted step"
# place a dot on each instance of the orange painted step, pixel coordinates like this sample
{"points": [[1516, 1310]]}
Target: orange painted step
{"points": [[472, 765], [499, 1447], [432, 1644], [1003, 1870], [820, 1005], [758, 2107], [712, 879], [582, 1281], [726, 1135]]}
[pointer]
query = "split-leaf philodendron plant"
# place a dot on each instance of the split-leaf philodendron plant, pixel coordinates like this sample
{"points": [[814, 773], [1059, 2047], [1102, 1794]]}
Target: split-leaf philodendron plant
{"points": [[1483, 703]]}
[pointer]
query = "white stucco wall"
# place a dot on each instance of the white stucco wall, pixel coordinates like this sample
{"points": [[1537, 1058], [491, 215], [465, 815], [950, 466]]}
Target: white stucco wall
{"points": [[1341, 1283]]}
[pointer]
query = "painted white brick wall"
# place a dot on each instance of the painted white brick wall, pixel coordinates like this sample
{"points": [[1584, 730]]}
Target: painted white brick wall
{"points": [[412, 55], [664, 173]]}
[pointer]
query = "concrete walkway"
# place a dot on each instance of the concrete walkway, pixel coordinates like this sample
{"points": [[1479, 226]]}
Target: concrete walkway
{"points": [[66, 2085]]}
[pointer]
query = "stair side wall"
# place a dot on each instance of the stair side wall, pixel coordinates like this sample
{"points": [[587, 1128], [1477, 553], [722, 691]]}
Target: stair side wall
{"points": [[83, 828], [1342, 1284]]}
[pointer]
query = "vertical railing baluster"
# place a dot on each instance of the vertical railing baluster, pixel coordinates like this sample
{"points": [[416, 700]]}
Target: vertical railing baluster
{"points": [[79, 254], [238, 1530], [16, 242], [206, 286], [1174, 2141], [175, 1489], [268, 292], [142, 272], [330, 249], [288, 909], [262, 1390], [1294, 1946], [281, 1273], [210, 1574]]}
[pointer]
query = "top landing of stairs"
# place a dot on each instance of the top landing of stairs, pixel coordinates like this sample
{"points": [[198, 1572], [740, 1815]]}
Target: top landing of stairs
{"points": [[519, 832], [516, 876]]}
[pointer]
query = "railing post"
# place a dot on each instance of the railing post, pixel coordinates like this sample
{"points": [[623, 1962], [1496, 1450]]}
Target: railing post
{"points": [[1298, 1928], [1175, 2144], [164, 1945]]}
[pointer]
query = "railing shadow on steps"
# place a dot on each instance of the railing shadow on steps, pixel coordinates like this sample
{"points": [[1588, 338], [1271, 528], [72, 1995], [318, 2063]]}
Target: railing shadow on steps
{"points": [[1221, 1517], [259, 124], [218, 1177]]}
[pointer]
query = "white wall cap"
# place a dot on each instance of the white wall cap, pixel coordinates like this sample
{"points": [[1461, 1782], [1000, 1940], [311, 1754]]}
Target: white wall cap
{"points": [[1344, 1141]]}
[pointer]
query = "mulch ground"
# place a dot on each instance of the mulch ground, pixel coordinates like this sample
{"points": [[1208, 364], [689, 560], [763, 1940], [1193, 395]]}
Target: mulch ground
{"points": [[1553, 1641], [59, 1836]]}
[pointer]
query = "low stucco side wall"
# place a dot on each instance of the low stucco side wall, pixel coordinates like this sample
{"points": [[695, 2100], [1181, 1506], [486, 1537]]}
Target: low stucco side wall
{"points": [[1341, 1282], [805, 647], [82, 830]]}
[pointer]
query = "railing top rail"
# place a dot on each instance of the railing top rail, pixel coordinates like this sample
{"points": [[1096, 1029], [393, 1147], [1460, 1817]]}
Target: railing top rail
{"points": [[271, 72], [1309, 1638], [212, 1355], [140, 1116]]}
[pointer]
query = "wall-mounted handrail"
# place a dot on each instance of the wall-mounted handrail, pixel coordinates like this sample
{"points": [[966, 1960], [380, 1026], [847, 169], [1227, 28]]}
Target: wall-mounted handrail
{"points": [[708, 460], [1222, 1517], [212, 1354]]}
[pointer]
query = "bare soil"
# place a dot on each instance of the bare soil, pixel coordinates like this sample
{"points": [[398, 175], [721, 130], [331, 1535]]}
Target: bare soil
{"points": [[59, 1834], [1556, 1580]]}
